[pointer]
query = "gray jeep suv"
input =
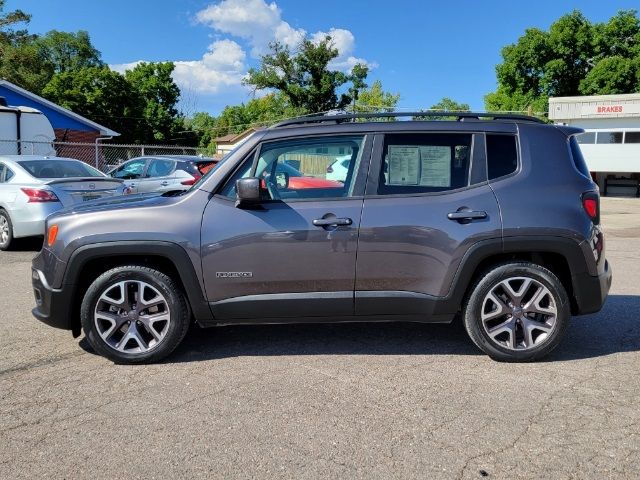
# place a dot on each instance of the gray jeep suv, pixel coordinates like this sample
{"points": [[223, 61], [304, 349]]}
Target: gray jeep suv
{"points": [[490, 218]]}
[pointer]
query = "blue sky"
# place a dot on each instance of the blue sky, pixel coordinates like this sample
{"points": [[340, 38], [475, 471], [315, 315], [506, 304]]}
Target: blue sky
{"points": [[421, 49]]}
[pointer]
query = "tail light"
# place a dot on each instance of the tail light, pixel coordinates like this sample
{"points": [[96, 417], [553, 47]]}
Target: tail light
{"points": [[37, 195], [191, 181], [591, 205]]}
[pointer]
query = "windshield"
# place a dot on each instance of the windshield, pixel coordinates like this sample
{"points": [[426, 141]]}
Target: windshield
{"points": [[210, 170], [58, 168]]}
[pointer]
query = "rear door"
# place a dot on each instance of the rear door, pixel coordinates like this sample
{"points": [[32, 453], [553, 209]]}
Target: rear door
{"points": [[295, 254], [158, 176], [427, 203]]}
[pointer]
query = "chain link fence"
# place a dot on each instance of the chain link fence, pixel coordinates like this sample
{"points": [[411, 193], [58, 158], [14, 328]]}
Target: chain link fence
{"points": [[103, 156]]}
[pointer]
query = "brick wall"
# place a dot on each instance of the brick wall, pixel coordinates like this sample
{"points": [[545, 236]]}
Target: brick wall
{"points": [[86, 153], [75, 136]]}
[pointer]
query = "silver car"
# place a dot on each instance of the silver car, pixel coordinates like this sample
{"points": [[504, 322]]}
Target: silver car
{"points": [[32, 187], [162, 173]]}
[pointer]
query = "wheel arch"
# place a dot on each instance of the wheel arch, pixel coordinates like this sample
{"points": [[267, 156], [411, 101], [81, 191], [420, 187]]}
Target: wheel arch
{"points": [[90, 261], [562, 256]]}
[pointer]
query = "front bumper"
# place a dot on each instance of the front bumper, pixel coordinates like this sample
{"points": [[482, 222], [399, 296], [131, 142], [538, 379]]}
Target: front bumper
{"points": [[53, 306], [591, 291]]}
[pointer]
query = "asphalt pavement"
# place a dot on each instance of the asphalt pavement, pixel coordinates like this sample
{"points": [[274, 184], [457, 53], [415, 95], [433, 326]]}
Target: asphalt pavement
{"points": [[327, 401]]}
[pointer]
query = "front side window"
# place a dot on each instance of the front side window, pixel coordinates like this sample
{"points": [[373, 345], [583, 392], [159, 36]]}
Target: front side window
{"points": [[303, 169], [424, 163], [131, 170]]}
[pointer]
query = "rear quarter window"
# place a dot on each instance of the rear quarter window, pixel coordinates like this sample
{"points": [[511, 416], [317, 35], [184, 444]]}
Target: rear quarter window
{"points": [[502, 155], [578, 158]]}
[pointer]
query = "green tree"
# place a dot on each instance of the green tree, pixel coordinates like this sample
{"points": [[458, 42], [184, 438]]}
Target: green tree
{"points": [[9, 20], [68, 51], [202, 124], [612, 75], [375, 99], [573, 57], [97, 93], [156, 96], [304, 77], [445, 105], [24, 65]]}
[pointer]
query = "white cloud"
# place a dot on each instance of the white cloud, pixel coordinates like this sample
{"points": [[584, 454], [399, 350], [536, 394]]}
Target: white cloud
{"points": [[253, 20], [123, 67], [256, 23], [223, 66], [344, 41], [260, 23]]}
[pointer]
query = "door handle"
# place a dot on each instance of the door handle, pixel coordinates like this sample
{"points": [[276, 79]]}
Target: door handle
{"points": [[165, 183], [465, 216], [332, 222]]}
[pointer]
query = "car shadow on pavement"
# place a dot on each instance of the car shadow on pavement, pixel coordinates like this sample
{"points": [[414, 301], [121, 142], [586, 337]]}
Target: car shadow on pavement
{"points": [[324, 339], [615, 329], [29, 244]]}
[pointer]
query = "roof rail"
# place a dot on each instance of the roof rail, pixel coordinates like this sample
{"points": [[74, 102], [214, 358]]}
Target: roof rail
{"points": [[460, 116]]}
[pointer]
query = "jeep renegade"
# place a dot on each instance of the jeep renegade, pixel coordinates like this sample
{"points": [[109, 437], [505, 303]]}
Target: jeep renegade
{"points": [[490, 218]]}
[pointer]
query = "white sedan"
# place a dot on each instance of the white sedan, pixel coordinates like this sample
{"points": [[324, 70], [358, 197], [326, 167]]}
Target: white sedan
{"points": [[32, 187]]}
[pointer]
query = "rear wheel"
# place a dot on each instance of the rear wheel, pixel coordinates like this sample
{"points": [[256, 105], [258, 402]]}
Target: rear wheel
{"points": [[517, 312], [134, 314], [6, 231]]}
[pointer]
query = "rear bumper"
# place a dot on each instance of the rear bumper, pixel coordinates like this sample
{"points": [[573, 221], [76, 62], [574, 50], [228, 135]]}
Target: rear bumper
{"points": [[53, 306], [591, 291], [29, 221]]}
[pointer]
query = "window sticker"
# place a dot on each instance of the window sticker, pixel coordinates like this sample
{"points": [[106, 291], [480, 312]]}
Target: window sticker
{"points": [[436, 166], [427, 165], [404, 164]]}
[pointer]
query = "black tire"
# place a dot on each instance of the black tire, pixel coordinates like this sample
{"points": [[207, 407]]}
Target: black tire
{"points": [[6, 245], [472, 311], [180, 315]]}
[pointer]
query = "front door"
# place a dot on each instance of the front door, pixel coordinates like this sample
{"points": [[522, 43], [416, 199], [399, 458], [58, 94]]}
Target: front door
{"points": [[295, 254], [131, 172], [427, 203]]}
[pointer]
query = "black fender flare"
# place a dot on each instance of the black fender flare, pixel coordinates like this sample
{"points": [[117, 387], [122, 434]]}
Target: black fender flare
{"points": [[485, 249], [172, 252]]}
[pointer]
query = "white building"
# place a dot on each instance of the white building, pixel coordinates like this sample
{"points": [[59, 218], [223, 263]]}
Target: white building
{"points": [[611, 144]]}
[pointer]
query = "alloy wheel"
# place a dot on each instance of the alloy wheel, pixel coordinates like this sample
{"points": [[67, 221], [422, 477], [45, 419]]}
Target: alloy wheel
{"points": [[4, 230], [132, 316], [519, 313]]}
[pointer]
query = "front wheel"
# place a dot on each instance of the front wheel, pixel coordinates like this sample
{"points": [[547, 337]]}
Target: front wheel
{"points": [[134, 314], [517, 312]]}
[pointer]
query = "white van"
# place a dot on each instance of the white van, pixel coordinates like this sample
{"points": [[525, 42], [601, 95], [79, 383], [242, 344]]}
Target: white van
{"points": [[25, 131]]}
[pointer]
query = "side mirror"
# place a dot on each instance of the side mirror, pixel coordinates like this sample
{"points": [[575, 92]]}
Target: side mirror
{"points": [[282, 180], [248, 191]]}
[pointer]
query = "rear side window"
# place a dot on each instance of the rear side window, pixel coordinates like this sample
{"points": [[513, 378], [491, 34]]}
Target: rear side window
{"points": [[502, 155], [578, 159], [424, 163], [160, 168]]}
